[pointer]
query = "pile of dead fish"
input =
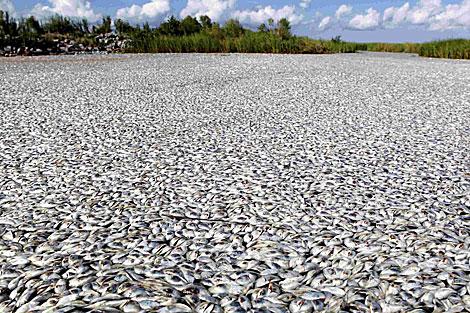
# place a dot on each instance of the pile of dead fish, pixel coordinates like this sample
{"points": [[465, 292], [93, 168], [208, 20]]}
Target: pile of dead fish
{"points": [[234, 183]]}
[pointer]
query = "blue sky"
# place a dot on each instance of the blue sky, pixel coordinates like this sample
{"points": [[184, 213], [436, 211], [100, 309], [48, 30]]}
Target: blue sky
{"points": [[360, 20]]}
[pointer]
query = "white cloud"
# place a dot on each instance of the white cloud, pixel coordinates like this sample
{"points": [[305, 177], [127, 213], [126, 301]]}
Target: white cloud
{"points": [[343, 10], [215, 9], [423, 11], [396, 16], [7, 5], [371, 20], [304, 3], [149, 11], [261, 15], [454, 16], [324, 23], [71, 8], [430, 13]]}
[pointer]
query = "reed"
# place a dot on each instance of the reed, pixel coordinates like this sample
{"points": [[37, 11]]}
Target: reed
{"points": [[249, 42], [450, 49]]}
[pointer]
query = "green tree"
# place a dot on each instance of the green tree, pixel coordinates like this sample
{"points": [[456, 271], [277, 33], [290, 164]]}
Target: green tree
{"points": [[85, 26], [170, 27], [105, 26], [3, 23], [336, 39], [206, 21], [190, 25], [29, 30], [59, 24], [123, 27], [271, 23], [215, 31], [233, 28], [147, 27], [283, 28], [263, 28], [3, 28]]}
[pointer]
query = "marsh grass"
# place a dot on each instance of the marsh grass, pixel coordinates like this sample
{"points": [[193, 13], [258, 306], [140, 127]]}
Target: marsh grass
{"points": [[249, 42], [259, 42], [450, 49]]}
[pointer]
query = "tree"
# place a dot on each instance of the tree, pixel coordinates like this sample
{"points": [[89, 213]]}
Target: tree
{"points": [[3, 25], [271, 22], [29, 29], [283, 28], [233, 28], [336, 39], [85, 26], [105, 27], [147, 27], [263, 28], [59, 24], [2, 22], [190, 25], [122, 27], [206, 21], [4, 28], [215, 31], [171, 27]]}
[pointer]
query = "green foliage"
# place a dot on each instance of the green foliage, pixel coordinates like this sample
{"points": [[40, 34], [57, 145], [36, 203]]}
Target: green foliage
{"points": [[249, 42], [262, 28], [393, 47], [202, 35], [271, 22], [8, 29], [29, 30], [59, 24], [105, 26], [172, 36], [451, 49], [170, 27], [283, 28], [205, 21], [85, 28], [146, 27], [123, 27], [233, 28], [190, 25], [336, 39]]}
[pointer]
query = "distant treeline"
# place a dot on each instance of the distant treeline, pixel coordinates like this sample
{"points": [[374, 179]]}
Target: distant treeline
{"points": [[189, 34], [201, 34]]}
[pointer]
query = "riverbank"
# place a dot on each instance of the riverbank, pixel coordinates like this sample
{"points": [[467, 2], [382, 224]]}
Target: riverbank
{"points": [[113, 43], [62, 35]]}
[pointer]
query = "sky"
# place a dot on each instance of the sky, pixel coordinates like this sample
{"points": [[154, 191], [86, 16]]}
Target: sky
{"points": [[359, 20]]}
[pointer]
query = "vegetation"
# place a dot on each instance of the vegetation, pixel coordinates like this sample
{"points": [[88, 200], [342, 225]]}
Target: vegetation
{"points": [[451, 49], [201, 34], [29, 32]]}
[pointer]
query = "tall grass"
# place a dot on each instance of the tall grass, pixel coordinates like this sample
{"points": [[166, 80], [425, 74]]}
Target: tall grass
{"points": [[393, 47], [450, 49], [250, 42]]}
